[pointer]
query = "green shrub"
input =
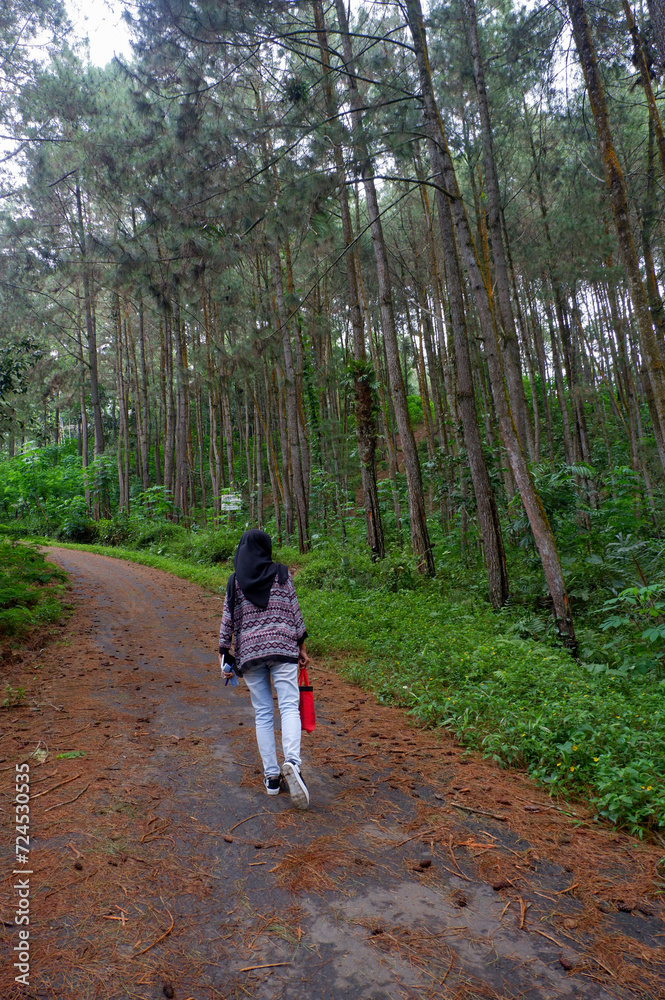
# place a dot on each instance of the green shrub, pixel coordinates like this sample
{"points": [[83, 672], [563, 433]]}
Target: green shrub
{"points": [[25, 598], [211, 547], [162, 534], [15, 621], [13, 697], [350, 568], [113, 531], [80, 529]]}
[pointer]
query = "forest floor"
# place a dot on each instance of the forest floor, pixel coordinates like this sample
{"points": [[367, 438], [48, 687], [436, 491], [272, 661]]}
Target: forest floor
{"points": [[161, 869]]}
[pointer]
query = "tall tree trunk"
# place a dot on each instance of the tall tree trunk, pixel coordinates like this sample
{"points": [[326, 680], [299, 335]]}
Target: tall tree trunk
{"points": [[488, 514], [258, 450], [446, 177], [276, 487], [619, 201], [169, 406], [84, 451], [280, 406], [645, 76], [362, 371], [214, 456], [123, 430], [199, 446], [510, 345], [657, 14], [417, 516], [299, 493], [182, 415], [90, 333], [145, 429]]}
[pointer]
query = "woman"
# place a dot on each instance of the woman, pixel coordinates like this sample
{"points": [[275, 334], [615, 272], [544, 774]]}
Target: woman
{"points": [[261, 611]]}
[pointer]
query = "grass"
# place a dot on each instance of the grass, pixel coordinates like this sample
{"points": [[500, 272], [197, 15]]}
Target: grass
{"points": [[594, 733], [599, 736], [28, 596]]}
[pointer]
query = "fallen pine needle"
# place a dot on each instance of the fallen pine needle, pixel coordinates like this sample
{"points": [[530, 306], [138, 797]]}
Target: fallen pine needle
{"points": [[77, 853], [245, 820], [559, 945], [154, 834], [452, 855], [423, 833], [504, 909], [603, 966], [161, 938], [523, 908], [456, 874], [69, 801], [569, 889], [472, 845], [480, 812], [68, 885], [253, 864], [53, 787], [270, 965], [452, 959], [534, 930]]}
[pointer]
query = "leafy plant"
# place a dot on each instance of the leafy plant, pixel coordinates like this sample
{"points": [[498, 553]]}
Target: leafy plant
{"points": [[25, 600], [14, 697], [642, 611]]}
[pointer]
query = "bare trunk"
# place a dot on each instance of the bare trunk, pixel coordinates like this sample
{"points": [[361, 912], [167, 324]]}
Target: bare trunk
{"points": [[510, 346], [488, 514], [619, 201], [145, 422], [169, 407], [362, 372], [657, 13], [91, 334], [417, 515], [299, 494], [645, 75], [446, 177], [258, 454]]}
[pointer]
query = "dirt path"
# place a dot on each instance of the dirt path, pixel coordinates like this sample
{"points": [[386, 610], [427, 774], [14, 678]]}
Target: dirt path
{"points": [[172, 874]]}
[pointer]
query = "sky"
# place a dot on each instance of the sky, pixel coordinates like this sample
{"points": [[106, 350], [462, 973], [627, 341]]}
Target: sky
{"points": [[101, 21]]}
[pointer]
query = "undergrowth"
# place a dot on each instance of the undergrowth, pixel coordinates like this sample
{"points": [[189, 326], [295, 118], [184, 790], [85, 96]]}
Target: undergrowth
{"points": [[28, 597], [581, 729]]}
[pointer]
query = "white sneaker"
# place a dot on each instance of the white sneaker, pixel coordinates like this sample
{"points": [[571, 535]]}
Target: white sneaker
{"points": [[297, 787], [273, 784]]}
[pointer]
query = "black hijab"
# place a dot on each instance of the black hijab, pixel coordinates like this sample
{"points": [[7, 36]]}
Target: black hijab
{"points": [[254, 569]]}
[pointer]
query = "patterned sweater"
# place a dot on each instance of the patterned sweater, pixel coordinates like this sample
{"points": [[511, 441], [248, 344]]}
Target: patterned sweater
{"points": [[274, 632]]}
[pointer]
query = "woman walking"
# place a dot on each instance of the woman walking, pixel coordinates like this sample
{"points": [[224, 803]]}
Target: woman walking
{"points": [[262, 614]]}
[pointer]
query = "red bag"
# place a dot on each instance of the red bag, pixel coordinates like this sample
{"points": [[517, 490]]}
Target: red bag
{"points": [[307, 715]]}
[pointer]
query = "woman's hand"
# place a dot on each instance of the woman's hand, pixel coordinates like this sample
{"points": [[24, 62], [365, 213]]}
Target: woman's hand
{"points": [[227, 673], [303, 658]]}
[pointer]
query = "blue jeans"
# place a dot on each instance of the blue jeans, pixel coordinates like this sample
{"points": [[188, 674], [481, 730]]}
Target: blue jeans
{"points": [[285, 677]]}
